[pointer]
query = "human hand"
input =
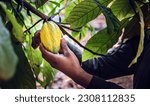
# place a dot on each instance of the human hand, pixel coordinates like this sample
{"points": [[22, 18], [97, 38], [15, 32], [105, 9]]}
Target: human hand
{"points": [[67, 63]]}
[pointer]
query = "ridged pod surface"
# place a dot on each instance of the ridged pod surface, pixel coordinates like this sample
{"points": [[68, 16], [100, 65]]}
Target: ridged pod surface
{"points": [[50, 36]]}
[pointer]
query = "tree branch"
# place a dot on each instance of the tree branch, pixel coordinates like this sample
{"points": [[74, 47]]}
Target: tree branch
{"points": [[66, 33], [32, 9], [47, 18], [33, 25]]}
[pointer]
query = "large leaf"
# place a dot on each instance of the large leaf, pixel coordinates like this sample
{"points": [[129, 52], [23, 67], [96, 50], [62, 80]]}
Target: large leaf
{"points": [[8, 58], [102, 41], [70, 7], [23, 78], [122, 9], [142, 36], [84, 12], [18, 31], [113, 24], [43, 71], [48, 74]]}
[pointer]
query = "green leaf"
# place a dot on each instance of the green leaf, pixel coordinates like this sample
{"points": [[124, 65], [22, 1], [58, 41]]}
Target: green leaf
{"points": [[23, 78], [8, 58], [113, 24], [40, 67], [122, 9], [142, 36], [40, 3], [56, 3], [80, 35], [18, 32], [43, 71], [48, 73], [84, 12], [102, 41], [146, 1], [54, 9], [70, 8]]}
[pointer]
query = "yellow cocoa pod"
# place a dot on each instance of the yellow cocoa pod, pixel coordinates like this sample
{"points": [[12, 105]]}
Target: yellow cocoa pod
{"points": [[50, 36]]}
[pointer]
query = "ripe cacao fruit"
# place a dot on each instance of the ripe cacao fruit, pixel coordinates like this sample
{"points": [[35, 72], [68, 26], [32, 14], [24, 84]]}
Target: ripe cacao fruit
{"points": [[50, 36]]}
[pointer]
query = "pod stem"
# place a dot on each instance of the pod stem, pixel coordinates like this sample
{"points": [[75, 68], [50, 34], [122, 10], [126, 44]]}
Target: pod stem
{"points": [[44, 17]]}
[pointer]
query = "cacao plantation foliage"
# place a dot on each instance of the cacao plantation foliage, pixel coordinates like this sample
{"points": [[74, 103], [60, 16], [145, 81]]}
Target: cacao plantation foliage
{"points": [[22, 66]]}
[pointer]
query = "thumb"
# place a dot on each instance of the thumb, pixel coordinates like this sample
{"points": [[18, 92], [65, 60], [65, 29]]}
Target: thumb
{"points": [[64, 47]]}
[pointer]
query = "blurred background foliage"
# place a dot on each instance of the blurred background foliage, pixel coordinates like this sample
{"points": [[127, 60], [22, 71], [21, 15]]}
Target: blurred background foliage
{"points": [[22, 67]]}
